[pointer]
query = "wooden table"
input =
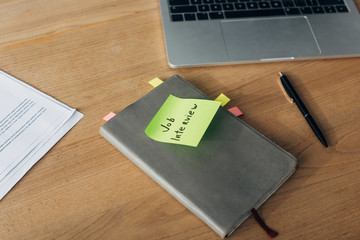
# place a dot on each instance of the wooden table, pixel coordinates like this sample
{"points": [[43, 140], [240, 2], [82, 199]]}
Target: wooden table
{"points": [[98, 56]]}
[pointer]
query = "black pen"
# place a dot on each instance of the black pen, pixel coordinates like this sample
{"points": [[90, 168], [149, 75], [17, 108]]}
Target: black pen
{"points": [[292, 94]]}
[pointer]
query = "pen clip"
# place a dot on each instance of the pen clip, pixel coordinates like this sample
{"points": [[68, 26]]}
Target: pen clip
{"points": [[285, 92]]}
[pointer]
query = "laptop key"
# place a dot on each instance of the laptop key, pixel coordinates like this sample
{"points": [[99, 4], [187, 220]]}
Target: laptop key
{"points": [[306, 10], [276, 4], [208, 1], [228, 6], [330, 9], [288, 3], [183, 9], [190, 16], [240, 6], [264, 4], [255, 13], [215, 7], [331, 2], [216, 15], [300, 3], [318, 10], [204, 8], [312, 2], [202, 16], [342, 9], [252, 5], [177, 17], [292, 11], [179, 2], [196, 2]]}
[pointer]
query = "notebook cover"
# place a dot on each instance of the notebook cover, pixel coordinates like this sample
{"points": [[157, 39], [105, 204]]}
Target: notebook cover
{"points": [[231, 171]]}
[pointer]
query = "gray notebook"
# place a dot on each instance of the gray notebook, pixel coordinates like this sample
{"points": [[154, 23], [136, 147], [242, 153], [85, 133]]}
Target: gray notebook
{"points": [[232, 170]]}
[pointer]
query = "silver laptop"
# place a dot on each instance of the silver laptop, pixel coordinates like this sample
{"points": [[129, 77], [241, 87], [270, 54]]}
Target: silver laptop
{"points": [[214, 32]]}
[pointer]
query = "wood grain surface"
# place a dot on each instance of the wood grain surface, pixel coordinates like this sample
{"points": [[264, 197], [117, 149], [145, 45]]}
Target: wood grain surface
{"points": [[97, 56]]}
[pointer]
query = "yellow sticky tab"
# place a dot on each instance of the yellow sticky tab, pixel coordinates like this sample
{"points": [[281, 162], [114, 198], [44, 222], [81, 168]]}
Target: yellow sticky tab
{"points": [[156, 82], [222, 99], [182, 121]]}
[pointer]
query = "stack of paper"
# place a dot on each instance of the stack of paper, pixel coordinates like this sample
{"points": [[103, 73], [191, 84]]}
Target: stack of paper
{"points": [[31, 122]]}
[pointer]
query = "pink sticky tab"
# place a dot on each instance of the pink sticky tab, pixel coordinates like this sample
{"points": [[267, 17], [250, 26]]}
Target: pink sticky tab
{"points": [[236, 111], [109, 116]]}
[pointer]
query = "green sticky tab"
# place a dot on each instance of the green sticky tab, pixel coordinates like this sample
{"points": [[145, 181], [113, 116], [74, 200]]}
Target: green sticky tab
{"points": [[182, 121]]}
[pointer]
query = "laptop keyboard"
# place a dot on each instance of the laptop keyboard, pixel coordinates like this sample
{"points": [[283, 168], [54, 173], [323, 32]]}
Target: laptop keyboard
{"points": [[193, 10]]}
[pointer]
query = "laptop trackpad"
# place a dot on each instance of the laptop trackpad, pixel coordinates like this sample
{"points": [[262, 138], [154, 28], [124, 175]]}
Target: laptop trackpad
{"points": [[269, 38]]}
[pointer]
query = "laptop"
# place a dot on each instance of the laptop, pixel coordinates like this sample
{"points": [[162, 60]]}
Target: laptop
{"points": [[215, 32]]}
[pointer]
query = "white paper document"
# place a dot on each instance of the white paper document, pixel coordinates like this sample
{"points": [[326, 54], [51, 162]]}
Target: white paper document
{"points": [[31, 122]]}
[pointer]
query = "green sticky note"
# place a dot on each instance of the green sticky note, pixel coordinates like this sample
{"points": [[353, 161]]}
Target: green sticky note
{"points": [[182, 121]]}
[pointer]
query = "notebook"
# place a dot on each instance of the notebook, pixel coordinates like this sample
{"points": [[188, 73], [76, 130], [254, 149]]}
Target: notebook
{"points": [[213, 32], [232, 170]]}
